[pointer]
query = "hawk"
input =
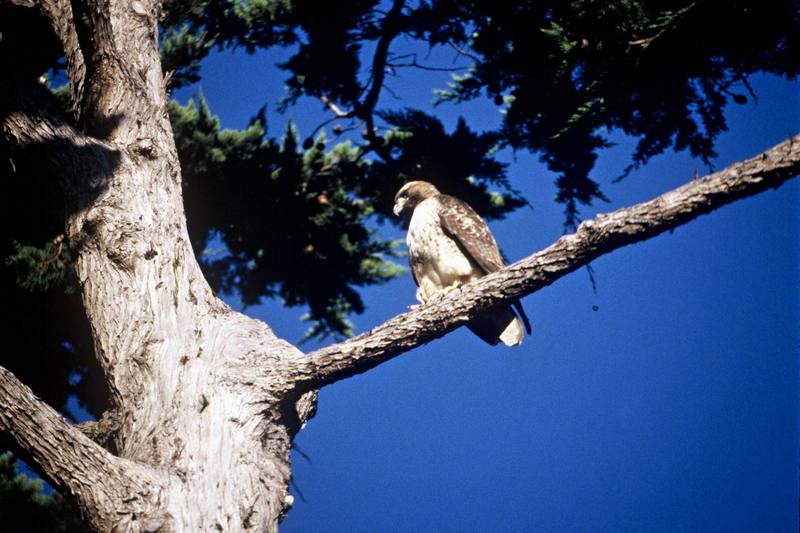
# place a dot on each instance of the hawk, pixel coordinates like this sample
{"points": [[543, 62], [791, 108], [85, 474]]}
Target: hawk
{"points": [[449, 245]]}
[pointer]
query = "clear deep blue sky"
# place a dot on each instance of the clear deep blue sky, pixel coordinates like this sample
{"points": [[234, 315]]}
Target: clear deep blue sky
{"points": [[672, 407]]}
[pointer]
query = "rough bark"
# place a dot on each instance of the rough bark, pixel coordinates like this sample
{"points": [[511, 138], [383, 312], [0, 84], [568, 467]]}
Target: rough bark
{"points": [[206, 401], [119, 493], [193, 395]]}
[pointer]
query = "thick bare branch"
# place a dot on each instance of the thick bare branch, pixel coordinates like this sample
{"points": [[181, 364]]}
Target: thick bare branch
{"points": [[33, 124], [123, 88], [604, 234], [61, 18], [59, 13], [107, 486], [392, 27]]}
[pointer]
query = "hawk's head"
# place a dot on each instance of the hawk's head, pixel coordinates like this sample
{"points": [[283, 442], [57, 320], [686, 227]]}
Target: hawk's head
{"points": [[410, 195]]}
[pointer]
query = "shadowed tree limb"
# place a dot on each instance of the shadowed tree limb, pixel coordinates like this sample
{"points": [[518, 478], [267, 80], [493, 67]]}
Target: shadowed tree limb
{"points": [[98, 480], [59, 13], [32, 120], [62, 19], [391, 29], [594, 238]]}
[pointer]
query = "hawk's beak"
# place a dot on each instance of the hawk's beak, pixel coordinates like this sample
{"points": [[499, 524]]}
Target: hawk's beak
{"points": [[398, 206]]}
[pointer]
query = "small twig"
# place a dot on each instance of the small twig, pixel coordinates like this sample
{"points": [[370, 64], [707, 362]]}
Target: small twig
{"points": [[301, 453], [395, 57], [293, 482], [462, 52], [60, 242], [749, 87], [590, 271], [322, 125], [644, 43], [335, 108], [414, 64], [351, 127], [391, 92], [671, 24]]}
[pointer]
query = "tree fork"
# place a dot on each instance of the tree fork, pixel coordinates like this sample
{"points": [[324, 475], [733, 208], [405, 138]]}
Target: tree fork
{"points": [[111, 492]]}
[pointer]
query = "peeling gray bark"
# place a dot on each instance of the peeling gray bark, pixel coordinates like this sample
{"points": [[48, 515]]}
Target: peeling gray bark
{"points": [[194, 395], [120, 493], [206, 401]]}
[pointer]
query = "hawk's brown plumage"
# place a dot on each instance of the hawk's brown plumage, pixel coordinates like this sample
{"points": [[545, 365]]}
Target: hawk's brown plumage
{"points": [[449, 245]]}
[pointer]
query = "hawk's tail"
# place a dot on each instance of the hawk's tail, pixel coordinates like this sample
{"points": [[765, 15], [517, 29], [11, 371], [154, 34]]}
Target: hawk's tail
{"points": [[521, 312], [500, 324]]}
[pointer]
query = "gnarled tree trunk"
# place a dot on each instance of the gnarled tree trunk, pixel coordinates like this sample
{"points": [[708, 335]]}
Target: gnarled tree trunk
{"points": [[206, 401], [199, 433]]}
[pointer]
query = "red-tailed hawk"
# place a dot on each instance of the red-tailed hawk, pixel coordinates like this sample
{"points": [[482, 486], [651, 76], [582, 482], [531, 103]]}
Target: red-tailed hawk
{"points": [[450, 245]]}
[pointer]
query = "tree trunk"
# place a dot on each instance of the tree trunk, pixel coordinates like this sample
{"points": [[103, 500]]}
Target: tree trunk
{"points": [[199, 394], [194, 401], [206, 401]]}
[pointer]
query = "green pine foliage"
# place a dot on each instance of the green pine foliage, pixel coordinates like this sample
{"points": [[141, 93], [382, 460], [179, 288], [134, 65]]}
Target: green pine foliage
{"points": [[181, 53], [42, 268], [25, 507], [290, 223], [662, 72], [460, 163], [566, 74]]}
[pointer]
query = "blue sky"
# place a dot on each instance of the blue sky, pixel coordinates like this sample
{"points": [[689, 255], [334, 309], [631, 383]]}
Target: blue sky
{"points": [[671, 407]]}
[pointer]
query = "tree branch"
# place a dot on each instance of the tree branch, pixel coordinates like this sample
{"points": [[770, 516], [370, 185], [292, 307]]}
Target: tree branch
{"points": [[124, 87], [392, 27], [33, 120], [33, 124], [411, 61], [59, 13], [105, 485], [105, 78], [61, 18], [104, 430], [393, 24], [604, 234]]}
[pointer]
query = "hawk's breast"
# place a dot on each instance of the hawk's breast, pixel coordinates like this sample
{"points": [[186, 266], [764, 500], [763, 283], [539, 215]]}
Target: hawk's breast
{"points": [[436, 259]]}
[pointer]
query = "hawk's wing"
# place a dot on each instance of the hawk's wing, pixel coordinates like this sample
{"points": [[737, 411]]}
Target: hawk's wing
{"points": [[462, 224], [416, 268], [468, 229]]}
